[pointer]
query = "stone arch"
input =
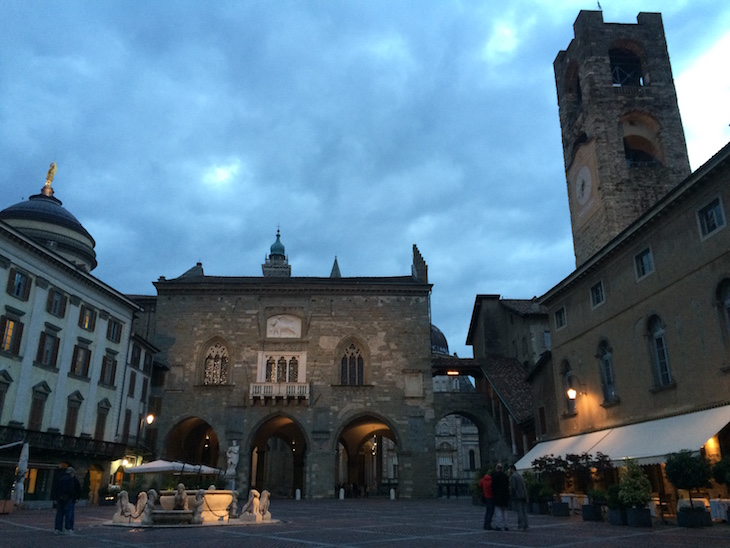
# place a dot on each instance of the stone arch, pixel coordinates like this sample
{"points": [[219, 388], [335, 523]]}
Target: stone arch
{"points": [[344, 350], [193, 440], [642, 145], [214, 362], [366, 455], [628, 67], [278, 446]]}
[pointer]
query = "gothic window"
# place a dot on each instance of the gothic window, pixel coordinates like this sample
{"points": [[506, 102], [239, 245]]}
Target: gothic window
{"points": [[607, 379], [625, 67], [660, 357], [216, 365], [284, 369], [352, 365]]}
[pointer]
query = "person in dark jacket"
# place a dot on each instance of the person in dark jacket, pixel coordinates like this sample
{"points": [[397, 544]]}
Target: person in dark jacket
{"points": [[485, 484], [500, 493], [68, 490], [518, 492]]}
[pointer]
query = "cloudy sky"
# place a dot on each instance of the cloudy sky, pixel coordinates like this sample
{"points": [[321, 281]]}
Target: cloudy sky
{"points": [[189, 131]]}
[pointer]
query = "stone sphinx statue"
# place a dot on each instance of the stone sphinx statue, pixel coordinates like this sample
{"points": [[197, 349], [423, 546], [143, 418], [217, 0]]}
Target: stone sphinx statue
{"points": [[125, 510], [198, 509], [149, 507], [264, 506]]}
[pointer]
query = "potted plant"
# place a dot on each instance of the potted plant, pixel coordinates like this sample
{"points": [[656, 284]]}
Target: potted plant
{"points": [[593, 511], [687, 471], [635, 494], [552, 470], [616, 508], [538, 494]]}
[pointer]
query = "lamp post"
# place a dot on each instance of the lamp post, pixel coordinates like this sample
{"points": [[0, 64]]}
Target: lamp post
{"points": [[149, 419]]}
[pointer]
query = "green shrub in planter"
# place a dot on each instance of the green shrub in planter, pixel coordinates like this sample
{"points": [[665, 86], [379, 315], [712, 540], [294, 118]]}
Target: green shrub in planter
{"points": [[635, 493], [688, 471]]}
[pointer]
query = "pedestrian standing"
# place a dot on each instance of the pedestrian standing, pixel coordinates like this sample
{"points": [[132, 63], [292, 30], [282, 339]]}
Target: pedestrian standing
{"points": [[500, 494], [518, 492], [485, 484], [68, 490]]}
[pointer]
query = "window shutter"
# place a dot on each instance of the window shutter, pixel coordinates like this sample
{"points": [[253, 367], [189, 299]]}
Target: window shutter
{"points": [[63, 306], [55, 351], [26, 288], [114, 372], [73, 360], [87, 360], [18, 336], [49, 300], [11, 282], [92, 322], [41, 346], [82, 313]]}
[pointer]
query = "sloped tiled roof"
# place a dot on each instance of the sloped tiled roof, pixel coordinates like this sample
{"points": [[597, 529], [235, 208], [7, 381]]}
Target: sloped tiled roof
{"points": [[507, 377], [524, 307]]}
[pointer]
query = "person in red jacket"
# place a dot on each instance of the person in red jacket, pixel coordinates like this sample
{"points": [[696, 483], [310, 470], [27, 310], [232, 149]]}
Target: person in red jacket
{"points": [[485, 484]]}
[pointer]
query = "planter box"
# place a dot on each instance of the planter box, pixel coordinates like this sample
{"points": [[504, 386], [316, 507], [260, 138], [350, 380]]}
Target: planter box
{"points": [[560, 509], [539, 508], [592, 512], [617, 517], [698, 517], [638, 517]]}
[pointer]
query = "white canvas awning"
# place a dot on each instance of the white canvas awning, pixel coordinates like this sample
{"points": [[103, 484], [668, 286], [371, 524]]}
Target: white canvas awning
{"points": [[177, 467], [647, 442]]}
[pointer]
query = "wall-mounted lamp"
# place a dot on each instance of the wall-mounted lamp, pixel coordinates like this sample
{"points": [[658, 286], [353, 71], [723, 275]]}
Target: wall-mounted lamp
{"points": [[572, 393], [452, 373]]}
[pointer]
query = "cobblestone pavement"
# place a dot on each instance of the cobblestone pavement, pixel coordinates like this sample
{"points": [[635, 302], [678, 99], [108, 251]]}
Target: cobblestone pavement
{"points": [[367, 523]]}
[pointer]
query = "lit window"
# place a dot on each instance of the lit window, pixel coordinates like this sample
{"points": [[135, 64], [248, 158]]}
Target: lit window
{"points": [[560, 318], [597, 296], [644, 264], [12, 333], [87, 318], [711, 218], [282, 369], [215, 370]]}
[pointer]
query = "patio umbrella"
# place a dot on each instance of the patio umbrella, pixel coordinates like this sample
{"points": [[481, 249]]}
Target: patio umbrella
{"points": [[19, 492], [178, 467]]}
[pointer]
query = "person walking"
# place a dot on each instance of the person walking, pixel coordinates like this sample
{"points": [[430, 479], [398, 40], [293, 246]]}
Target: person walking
{"points": [[68, 490], [518, 492], [500, 493], [485, 484]]}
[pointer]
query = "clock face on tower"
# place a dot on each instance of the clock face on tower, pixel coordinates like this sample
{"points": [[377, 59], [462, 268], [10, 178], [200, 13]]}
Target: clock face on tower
{"points": [[583, 184]]}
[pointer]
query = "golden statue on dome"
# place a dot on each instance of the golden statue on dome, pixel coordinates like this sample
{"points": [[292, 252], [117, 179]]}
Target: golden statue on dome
{"points": [[47, 189]]}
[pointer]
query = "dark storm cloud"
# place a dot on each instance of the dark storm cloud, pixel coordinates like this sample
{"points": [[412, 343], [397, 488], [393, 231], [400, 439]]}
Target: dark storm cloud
{"points": [[188, 131]]}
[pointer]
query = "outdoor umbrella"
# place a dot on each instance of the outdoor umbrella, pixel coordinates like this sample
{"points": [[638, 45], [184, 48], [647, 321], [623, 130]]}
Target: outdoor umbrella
{"points": [[184, 468]]}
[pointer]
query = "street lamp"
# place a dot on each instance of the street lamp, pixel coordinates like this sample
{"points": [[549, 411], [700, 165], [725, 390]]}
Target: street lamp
{"points": [[149, 419]]}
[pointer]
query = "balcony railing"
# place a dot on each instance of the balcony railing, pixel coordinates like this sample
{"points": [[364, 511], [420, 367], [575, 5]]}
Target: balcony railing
{"points": [[283, 390], [52, 441]]}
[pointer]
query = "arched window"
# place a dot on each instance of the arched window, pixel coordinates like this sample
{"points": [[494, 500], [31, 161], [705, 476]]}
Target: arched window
{"points": [[606, 364], [625, 67], [660, 357], [283, 369], [216, 365], [352, 366], [568, 381]]}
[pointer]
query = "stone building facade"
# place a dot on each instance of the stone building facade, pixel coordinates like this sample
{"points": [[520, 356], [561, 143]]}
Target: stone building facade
{"points": [[641, 329], [308, 376], [66, 385]]}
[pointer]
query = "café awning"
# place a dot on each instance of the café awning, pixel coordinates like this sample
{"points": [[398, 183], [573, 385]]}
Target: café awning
{"points": [[646, 442]]}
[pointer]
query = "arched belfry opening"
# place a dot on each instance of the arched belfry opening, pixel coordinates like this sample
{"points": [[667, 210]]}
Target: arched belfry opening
{"points": [[366, 458], [278, 452], [193, 440]]}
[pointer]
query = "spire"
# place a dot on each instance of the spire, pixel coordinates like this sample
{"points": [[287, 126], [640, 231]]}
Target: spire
{"points": [[335, 270], [419, 269], [47, 190]]}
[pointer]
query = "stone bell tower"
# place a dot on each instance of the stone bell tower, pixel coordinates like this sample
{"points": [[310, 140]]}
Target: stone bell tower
{"points": [[623, 140]]}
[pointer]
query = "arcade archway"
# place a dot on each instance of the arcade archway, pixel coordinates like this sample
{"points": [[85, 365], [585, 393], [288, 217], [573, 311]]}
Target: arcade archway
{"points": [[195, 441], [366, 458], [278, 451]]}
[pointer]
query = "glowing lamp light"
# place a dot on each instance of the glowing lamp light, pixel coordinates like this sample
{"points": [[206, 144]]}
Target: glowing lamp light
{"points": [[452, 373], [150, 418], [572, 393], [125, 463]]}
